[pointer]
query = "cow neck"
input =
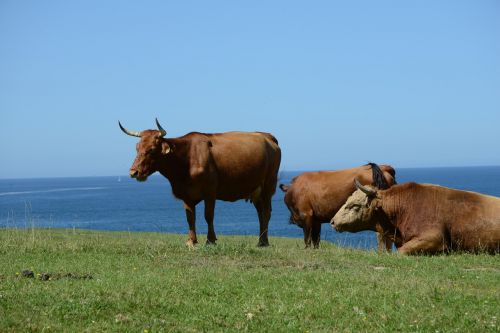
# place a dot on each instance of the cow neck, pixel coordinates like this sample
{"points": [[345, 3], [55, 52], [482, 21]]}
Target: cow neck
{"points": [[174, 165], [386, 221], [392, 208]]}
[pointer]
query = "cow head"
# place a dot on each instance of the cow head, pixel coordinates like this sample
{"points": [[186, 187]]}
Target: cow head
{"points": [[358, 212], [150, 151]]}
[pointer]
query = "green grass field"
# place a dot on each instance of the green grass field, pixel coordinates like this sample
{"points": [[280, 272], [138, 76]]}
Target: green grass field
{"points": [[149, 282]]}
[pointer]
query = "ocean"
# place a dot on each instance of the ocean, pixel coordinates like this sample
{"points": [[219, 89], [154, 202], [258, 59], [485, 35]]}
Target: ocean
{"points": [[122, 204]]}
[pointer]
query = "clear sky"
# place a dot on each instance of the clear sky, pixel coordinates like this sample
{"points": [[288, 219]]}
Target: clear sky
{"points": [[410, 83]]}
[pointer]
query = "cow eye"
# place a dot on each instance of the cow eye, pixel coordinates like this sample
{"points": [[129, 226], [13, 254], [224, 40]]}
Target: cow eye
{"points": [[355, 207]]}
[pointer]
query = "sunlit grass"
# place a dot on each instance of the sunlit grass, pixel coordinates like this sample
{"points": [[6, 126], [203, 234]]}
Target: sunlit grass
{"points": [[153, 282]]}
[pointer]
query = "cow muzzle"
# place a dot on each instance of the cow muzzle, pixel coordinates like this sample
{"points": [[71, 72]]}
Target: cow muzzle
{"points": [[334, 225], [135, 174]]}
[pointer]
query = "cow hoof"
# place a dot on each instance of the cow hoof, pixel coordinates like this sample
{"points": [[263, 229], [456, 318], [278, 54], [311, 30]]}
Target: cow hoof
{"points": [[190, 243], [209, 242], [263, 244]]}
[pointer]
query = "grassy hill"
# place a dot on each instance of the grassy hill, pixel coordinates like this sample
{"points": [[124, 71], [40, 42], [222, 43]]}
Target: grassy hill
{"points": [[148, 282]]}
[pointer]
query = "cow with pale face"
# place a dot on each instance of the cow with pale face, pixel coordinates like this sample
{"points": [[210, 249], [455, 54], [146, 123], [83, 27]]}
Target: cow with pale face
{"points": [[313, 198], [424, 218], [209, 167]]}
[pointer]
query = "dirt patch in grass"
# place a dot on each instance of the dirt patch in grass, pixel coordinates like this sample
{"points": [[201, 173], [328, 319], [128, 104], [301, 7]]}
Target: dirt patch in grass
{"points": [[29, 274]]}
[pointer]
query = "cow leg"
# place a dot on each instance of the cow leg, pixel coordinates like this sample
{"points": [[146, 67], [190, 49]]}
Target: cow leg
{"points": [[263, 207], [308, 230], [430, 242], [316, 233], [209, 217], [190, 210], [384, 243]]}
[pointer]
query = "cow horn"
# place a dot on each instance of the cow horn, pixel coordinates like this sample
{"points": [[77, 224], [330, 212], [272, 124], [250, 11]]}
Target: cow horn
{"points": [[126, 131], [368, 191], [162, 131]]}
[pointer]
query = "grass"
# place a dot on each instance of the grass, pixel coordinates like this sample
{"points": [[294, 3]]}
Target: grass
{"points": [[149, 282]]}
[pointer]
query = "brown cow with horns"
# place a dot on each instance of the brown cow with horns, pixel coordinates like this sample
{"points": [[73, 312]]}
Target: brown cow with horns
{"points": [[424, 218], [206, 167]]}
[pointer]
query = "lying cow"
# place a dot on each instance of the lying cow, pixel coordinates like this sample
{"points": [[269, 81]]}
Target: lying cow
{"points": [[314, 197], [208, 167], [424, 218]]}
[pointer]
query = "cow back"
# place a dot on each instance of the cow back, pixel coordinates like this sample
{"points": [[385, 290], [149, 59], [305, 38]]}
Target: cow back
{"points": [[242, 162]]}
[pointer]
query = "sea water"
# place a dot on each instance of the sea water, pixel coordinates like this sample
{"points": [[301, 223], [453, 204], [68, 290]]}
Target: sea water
{"points": [[123, 204]]}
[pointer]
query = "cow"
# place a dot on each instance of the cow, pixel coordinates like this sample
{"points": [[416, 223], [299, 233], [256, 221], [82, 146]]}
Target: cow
{"points": [[424, 218], [314, 197], [208, 167]]}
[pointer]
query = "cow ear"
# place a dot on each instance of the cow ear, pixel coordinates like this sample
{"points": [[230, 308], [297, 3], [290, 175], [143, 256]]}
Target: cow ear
{"points": [[165, 148]]}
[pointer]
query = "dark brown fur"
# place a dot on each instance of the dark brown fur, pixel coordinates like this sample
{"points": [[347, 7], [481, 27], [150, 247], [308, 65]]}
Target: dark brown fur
{"points": [[209, 167], [313, 198]]}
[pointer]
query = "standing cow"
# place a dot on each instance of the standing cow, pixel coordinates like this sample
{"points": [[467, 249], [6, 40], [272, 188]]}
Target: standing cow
{"points": [[424, 218], [206, 167], [314, 197]]}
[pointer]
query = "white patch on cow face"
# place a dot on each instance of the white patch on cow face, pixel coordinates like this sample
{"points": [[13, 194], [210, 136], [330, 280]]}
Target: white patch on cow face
{"points": [[355, 214]]}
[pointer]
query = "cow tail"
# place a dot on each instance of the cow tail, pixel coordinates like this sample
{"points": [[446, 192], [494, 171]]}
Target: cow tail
{"points": [[379, 180]]}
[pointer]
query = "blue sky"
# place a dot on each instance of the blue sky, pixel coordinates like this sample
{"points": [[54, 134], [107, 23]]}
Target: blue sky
{"points": [[410, 83]]}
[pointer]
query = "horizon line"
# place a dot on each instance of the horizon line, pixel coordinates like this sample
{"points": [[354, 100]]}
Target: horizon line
{"points": [[280, 171]]}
